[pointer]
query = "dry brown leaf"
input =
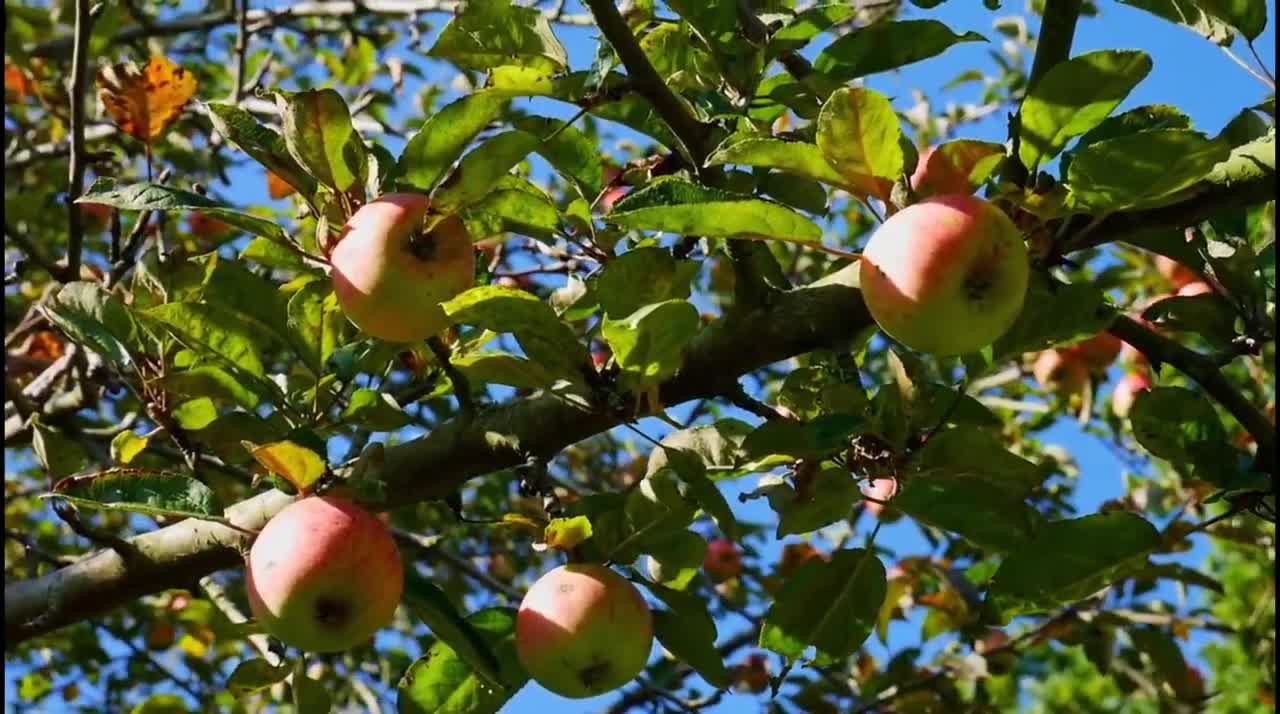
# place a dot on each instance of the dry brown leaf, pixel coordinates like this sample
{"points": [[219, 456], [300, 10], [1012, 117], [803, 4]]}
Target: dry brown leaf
{"points": [[16, 82], [143, 102], [277, 187]]}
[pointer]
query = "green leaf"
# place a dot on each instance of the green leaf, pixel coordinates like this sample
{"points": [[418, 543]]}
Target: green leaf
{"points": [[441, 682], [490, 33], [859, 134], [484, 166], [59, 454], [811, 392], [93, 317], [1075, 97], [261, 143], [977, 453], [1176, 424], [195, 414], [315, 323], [1053, 314], [162, 704], [675, 562], [693, 473], [309, 695], [545, 339], [793, 157], [145, 491], [571, 152], [806, 26], [215, 383], [679, 58], [213, 329], [691, 637], [432, 607], [320, 137], [803, 440], [154, 197], [716, 445], [831, 605], [516, 210], [254, 675], [1143, 118], [648, 344], [883, 46], [965, 503], [1067, 561], [374, 410], [676, 206], [1142, 170], [443, 137], [1210, 316], [640, 277], [503, 368], [1190, 14], [825, 499]]}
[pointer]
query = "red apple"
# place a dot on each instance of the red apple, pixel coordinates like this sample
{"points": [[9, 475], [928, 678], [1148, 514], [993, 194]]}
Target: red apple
{"points": [[390, 277], [95, 217], [753, 674], [1197, 287], [324, 575], [1061, 372], [1176, 273], [723, 560], [881, 489], [1127, 390], [947, 275], [204, 226], [1097, 352], [583, 630]]}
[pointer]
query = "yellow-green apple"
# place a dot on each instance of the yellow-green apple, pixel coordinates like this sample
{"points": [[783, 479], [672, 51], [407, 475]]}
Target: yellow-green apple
{"points": [[881, 489], [936, 174], [947, 275], [583, 630], [722, 561], [324, 575], [1097, 352], [1127, 390], [1061, 372], [395, 263], [1176, 273]]}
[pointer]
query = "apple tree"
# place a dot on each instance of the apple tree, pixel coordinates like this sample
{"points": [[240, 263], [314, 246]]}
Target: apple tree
{"points": [[704, 355]]}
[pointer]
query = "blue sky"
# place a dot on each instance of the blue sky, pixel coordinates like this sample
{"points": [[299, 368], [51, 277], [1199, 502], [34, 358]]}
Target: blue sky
{"points": [[1189, 73]]}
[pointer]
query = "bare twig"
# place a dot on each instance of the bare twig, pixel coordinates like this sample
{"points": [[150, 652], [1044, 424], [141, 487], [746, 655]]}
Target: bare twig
{"points": [[75, 181]]}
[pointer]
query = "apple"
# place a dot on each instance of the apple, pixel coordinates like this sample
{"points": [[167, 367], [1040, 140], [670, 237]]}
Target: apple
{"points": [[1061, 372], [324, 575], [1196, 287], [159, 636], [203, 226], [95, 217], [947, 275], [1176, 273], [583, 630], [1098, 352], [1127, 390], [882, 489], [722, 561], [390, 277], [753, 674], [936, 174]]}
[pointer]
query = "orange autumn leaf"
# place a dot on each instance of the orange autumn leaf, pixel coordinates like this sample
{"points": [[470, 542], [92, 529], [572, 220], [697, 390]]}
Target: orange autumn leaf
{"points": [[16, 82], [45, 346], [143, 102], [277, 187]]}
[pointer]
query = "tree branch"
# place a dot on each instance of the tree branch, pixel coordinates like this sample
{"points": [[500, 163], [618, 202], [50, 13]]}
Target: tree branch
{"points": [[798, 322], [1204, 371], [75, 170]]}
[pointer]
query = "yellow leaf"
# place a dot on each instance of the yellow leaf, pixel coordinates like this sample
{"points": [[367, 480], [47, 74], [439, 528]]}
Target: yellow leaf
{"points": [[144, 102], [297, 464], [567, 533], [127, 445], [523, 522], [193, 647]]}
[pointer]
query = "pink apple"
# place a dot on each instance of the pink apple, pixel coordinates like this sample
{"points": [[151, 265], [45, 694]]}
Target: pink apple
{"points": [[583, 630], [947, 275], [390, 278], [324, 575], [1197, 287], [1097, 352], [1127, 390], [1176, 273], [936, 174], [1061, 372], [723, 560]]}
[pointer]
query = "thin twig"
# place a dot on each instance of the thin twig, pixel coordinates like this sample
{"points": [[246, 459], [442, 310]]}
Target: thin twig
{"points": [[75, 180]]}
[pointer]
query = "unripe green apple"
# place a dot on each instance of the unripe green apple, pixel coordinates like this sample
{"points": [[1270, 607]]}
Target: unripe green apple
{"points": [[390, 277], [583, 630], [947, 275], [324, 575]]}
